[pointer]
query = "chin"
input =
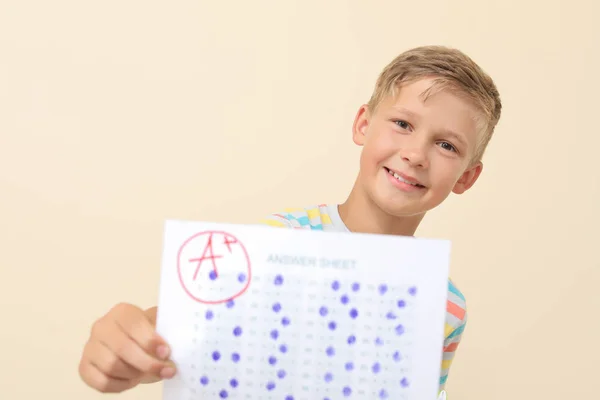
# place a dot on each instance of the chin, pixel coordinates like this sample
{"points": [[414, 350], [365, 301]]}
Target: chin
{"points": [[398, 207]]}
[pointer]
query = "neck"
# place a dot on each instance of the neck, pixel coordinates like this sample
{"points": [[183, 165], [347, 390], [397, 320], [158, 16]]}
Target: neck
{"points": [[360, 214]]}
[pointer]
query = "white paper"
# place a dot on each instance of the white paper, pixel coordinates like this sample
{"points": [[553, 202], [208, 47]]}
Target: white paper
{"points": [[271, 313]]}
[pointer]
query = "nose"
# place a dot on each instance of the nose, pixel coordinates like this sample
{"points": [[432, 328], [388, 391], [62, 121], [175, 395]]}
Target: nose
{"points": [[415, 154]]}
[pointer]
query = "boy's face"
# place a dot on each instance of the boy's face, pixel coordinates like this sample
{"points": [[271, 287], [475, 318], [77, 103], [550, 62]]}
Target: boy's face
{"points": [[416, 153]]}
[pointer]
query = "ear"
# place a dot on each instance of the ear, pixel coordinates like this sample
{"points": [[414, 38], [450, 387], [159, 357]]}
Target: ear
{"points": [[361, 123], [468, 178]]}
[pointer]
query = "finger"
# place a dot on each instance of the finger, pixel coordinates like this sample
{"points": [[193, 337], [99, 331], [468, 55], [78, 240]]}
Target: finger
{"points": [[129, 351], [142, 330], [110, 364], [152, 314], [94, 378]]}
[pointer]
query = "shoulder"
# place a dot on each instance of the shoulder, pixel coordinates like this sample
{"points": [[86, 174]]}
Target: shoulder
{"points": [[311, 217], [456, 310]]}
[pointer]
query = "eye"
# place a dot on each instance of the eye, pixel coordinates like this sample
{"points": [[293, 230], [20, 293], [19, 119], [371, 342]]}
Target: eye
{"points": [[402, 124], [448, 146]]}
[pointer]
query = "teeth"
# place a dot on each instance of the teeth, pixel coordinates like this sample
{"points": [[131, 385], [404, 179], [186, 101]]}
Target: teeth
{"points": [[395, 175]]}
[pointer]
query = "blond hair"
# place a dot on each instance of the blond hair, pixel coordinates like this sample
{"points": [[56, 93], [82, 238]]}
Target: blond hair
{"points": [[452, 70]]}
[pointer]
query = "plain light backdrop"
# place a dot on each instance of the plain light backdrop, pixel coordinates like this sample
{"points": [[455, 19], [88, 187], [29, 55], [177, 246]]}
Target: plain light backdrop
{"points": [[117, 115]]}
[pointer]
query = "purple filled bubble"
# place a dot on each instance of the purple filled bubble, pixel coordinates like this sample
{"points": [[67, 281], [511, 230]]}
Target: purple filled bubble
{"points": [[376, 368], [382, 289], [278, 280]]}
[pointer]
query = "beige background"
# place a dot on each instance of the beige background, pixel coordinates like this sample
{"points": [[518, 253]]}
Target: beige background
{"points": [[116, 115]]}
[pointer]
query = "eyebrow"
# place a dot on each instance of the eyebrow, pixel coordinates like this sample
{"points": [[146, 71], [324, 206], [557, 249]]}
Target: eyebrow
{"points": [[406, 111], [459, 138]]}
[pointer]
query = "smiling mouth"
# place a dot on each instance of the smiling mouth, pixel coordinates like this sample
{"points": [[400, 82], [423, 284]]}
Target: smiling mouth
{"points": [[403, 180]]}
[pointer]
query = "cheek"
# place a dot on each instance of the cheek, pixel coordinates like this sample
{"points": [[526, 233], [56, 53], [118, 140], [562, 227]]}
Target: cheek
{"points": [[380, 146], [448, 176]]}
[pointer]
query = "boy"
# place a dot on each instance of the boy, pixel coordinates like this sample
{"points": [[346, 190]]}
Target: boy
{"points": [[423, 133]]}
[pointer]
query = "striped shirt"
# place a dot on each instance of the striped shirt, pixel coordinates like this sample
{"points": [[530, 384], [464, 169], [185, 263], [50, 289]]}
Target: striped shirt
{"points": [[326, 218]]}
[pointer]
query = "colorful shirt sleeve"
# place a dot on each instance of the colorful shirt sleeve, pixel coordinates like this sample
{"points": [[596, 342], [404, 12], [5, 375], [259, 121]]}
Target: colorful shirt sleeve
{"points": [[313, 218], [277, 220], [456, 320]]}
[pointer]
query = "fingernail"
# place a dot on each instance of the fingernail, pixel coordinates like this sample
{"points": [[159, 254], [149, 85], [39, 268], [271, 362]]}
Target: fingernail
{"points": [[162, 352], [167, 372]]}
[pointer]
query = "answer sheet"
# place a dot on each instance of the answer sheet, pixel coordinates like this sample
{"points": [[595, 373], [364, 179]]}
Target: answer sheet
{"points": [[255, 312]]}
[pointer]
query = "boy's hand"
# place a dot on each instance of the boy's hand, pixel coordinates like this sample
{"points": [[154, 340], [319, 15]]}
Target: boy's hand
{"points": [[124, 350]]}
